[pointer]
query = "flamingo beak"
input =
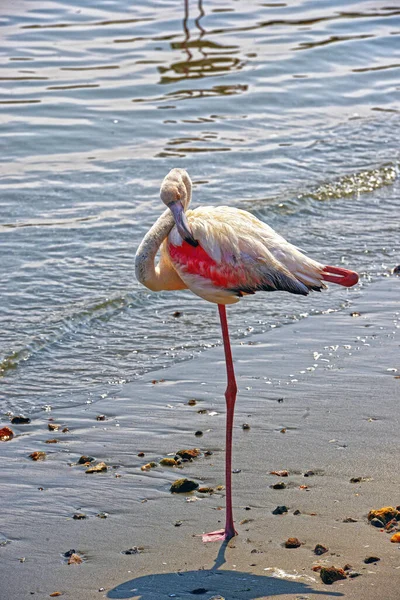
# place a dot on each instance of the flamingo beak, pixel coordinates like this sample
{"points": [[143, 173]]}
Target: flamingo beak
{"points": [[182, 224]]}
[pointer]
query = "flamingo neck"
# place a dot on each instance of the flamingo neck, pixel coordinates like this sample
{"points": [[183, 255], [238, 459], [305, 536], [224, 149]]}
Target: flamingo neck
{"points": [[146, 271]]}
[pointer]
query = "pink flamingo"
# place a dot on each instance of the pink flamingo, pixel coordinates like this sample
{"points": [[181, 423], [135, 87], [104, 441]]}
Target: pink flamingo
{"points": [[221, 254]]}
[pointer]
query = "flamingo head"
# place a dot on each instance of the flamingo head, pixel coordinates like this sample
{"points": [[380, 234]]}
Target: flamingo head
{"points": [[176, 192]]}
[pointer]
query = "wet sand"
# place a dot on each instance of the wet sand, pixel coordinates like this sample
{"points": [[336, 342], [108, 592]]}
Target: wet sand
{"points": [[339, 420]]}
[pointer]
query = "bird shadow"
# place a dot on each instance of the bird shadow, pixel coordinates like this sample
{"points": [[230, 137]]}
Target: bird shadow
{"points": [[232, 585]]}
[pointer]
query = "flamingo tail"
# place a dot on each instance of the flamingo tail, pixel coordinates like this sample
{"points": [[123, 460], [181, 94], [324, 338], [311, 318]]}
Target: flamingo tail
{"points": [[340, 276]]}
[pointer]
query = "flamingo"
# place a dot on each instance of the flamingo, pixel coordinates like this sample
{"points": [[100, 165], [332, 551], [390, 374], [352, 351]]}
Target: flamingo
{"points": [[222, 254]]}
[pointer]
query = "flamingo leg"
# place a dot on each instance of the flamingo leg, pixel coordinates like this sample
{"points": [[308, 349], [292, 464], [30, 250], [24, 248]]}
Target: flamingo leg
{"points": [[230, 397]]}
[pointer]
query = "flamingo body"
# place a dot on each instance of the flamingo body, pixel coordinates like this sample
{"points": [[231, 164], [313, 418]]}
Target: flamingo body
{"points": [[237, 254]]}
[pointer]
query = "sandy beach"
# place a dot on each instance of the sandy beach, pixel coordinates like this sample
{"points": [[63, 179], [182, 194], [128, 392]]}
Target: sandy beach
{"points": [[321, 399]]}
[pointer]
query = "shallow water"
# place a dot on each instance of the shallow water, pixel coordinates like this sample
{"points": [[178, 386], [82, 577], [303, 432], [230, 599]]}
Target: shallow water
{"points": [[288, 110]]}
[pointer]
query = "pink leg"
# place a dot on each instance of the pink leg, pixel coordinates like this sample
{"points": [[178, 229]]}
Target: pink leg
{"points": [[230, 397]]}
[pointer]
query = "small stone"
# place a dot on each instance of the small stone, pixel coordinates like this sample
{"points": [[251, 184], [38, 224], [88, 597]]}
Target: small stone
{"points": [[353, 574], [183, 486], [85, 459], [198, 433], [205, 490], [320, 549], [141, 454], [178, 523], [377, 523], [283, 430], [292, 543], [396, 270], [358, 479], [148, 466], [69, 553], [216, 598], [102, 589], [79, 516], [331, 574], [38, 456], [395, 539], [55, 594], [53, 426], [309, 473], [371, 559], [188, 454], [102, 515], [168, 462], [199, 591], [355, 314], [177, 314], [53, 441], [65, 430], [208, 453], [296, 512], [20, 420], [101, 418], [6, 434], [279, 486], [280, 510], [99, 468], [385, 514], [133, 550], [282, 473], [245, 426], [74, 559], [192, 402]]}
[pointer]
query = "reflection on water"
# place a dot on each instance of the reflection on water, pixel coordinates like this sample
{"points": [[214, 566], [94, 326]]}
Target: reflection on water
{"points": [[287, 109]]}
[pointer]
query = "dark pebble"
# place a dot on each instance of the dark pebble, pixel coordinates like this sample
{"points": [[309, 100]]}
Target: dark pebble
{"points": [[141, 454], [199, 591], [280, 510], [292, 543], [85, 459], [177, 314], [208, 453], [237, 471], [178, 523], [309, 473], [198, 433], [371, 559], [69, 553], [183, 486], [279, 486], [396, 270], [331, 574], [245, 426], [101, 418], [133, 550], [79, 516], [297, 512], [320, 549], [353, 574], [20, 420], [377, 523]]}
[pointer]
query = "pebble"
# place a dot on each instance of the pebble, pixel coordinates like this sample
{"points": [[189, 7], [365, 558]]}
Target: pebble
{"points": [[6, 434], [75, 559], [371, 559], [85, 459], [55, 594], [101, 418], [53, 426], [216, 598], [79, 516], [320, 549], [331, 574], [385, 514], [395, 539], [192, 402], [148, 466], [177, 314], [99, 468], [183, 486], [133, 550], [245, 426], [377, 522], [283, 473], [53, 441], [279, 486], [168, 462], [38, 456], [20, 420], [292, 543], [198, 433], [280, 510], [102, 515], [188, 454]]}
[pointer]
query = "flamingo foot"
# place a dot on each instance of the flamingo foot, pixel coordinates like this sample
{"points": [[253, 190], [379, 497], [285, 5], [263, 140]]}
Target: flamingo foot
{"points": [[218, 536]]}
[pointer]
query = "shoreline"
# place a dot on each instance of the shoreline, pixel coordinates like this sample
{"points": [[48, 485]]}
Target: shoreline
{"points": [[340, 420]]}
